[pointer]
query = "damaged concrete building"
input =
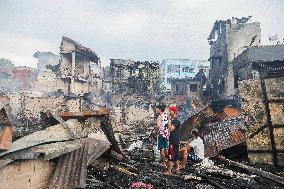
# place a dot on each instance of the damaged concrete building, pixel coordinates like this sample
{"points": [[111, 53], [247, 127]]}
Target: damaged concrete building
{"points": [[181, 68], [228, 39], [134, 77], [191, 87], [74, 66]]}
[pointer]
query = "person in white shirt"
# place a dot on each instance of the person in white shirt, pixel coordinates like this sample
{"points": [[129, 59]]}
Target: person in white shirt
{"points": [[195, 149]]}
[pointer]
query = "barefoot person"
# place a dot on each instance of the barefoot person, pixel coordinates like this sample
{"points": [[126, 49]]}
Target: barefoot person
{"points": [[162, 132], [195, 149], [174, 128]]}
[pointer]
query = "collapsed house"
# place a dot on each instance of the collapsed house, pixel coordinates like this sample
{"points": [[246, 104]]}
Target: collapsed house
{"points": [[57, 156], [74, 66], [220, 126], [55, 120], [139, 78]]}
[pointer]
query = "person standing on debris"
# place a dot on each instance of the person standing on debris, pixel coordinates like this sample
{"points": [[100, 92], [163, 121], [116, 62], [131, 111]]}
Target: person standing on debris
{"points": [[162, 132], [174, 139], [195, 148]]}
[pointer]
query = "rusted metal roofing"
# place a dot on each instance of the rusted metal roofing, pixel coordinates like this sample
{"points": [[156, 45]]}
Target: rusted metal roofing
{"points": [[220, 129], [222, 135], [85, 114], [5, 125]]}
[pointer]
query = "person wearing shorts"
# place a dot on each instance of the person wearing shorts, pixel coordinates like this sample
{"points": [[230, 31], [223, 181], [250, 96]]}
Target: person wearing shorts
{"points": [[162, 132], [194, 151], [174, 139]]}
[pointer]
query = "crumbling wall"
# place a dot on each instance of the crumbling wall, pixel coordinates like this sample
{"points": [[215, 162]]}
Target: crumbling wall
{"points": [[239, 37], [26, 174], [25, 112], [259, 141], [48, 82], [135, 114]]}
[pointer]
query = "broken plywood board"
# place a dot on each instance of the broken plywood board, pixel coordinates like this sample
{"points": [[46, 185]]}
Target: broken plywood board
{"points": [[256, 111], [53, 150], [277, 113], [252, 106], [259, 141], [275, 88], [72, 132], [51, 134]]}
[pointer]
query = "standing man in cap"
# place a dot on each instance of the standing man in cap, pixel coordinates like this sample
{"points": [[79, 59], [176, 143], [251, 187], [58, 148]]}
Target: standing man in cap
{"points": [[162, 130], [174, 139]]}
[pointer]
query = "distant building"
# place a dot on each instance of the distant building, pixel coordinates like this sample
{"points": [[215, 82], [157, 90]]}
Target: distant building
{"points": [[45, 59], [191, 87], [181, 68], [227, 40]]}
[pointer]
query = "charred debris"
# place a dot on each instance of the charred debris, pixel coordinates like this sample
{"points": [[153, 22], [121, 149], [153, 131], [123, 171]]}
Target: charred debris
{"points": [[71, 123]]}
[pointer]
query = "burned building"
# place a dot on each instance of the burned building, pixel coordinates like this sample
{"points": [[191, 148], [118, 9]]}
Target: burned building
{"points": [[260, 82], [227, 40], [181, 68], [74, 66], [140, 78], [192, 87], [46, 60]]}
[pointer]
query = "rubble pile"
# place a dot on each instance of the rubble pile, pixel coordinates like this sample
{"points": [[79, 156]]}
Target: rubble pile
{"points": [[70, 142], [145, 171]]}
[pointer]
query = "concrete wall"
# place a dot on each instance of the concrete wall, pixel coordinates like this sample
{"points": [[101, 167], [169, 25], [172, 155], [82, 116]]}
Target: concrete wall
{"points": [[239, 37], [198, 93], [232, 41], [48, 82], [26, 174], [25, 110]]}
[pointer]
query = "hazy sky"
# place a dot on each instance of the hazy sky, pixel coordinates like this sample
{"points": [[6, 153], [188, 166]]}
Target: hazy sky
{"points": [[130, 29]]}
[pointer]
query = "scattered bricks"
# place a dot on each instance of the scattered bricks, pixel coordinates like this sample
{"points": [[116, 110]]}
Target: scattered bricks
{"points": [[5, 138]]}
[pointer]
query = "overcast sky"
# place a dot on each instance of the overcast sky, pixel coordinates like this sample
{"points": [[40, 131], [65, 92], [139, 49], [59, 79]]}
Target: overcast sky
{"points": [[129, 29]]}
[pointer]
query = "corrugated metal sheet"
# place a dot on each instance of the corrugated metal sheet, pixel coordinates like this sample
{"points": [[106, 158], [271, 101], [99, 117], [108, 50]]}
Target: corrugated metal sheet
{"points": [[222, 135], [71, 170]]}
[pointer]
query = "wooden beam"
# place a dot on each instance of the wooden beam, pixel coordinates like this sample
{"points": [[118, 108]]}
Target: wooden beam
{"points": [[256, 171]]}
